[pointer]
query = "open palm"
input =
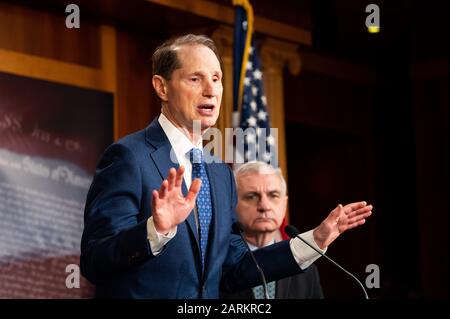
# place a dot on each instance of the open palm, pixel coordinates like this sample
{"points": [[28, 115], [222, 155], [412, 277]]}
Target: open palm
{"points": [[169, 206], [341, 219]]}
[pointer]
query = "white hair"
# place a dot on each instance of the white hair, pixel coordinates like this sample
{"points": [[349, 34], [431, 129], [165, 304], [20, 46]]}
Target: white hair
{"points": [[259, 167]]}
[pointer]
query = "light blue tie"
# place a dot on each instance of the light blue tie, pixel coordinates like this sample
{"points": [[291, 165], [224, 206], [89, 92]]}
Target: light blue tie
{"points": [[258, 291], [204, 207]]}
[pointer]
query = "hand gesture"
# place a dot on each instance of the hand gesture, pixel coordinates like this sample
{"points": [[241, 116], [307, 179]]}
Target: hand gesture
{"points": [[339, 220], [169, 206]]}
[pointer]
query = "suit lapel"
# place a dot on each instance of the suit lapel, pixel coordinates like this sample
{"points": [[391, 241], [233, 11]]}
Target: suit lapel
{"points": [[161, 157]]}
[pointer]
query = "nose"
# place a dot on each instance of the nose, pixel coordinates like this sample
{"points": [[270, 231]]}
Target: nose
{"points": [[211, 88], [263, 204]]}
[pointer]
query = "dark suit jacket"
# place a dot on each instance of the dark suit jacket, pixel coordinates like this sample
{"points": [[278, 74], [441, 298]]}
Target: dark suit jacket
{"points": [[302, 286], [116, 254]]}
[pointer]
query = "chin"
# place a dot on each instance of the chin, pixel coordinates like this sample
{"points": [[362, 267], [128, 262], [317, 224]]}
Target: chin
{"points": [[208, 122], [266, 227]]}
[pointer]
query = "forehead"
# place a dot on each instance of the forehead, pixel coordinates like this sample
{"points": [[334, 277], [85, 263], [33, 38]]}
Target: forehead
{"points": [[259, 181], [197, 56]]}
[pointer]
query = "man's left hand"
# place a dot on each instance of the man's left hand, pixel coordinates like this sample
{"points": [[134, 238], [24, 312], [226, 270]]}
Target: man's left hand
{"points": [[339, 220]]}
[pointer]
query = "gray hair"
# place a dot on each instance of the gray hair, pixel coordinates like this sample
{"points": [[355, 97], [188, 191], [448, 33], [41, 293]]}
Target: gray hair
{"points": [[259, 167], [165, 59]]}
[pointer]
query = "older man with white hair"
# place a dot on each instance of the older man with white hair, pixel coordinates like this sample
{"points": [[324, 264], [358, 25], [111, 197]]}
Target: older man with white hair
{"points": [[261, 208]]}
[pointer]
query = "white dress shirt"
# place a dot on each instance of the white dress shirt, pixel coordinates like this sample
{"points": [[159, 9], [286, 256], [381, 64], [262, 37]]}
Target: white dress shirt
{"points": [[181, 145]]}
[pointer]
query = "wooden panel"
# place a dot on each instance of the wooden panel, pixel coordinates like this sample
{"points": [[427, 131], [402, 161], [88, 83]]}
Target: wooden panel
{"points": [[225, 14], [339, 69], [38, 51], [137, 104], [63, 72], [320, 100], [51, 70], [44, 34]]}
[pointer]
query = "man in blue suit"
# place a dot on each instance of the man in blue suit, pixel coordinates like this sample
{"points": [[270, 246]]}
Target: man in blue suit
{"points": [[158, 219]]}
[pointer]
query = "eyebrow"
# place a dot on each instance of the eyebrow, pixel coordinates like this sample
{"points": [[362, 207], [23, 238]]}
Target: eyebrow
{"points": [[203, 73], [257, 192]]}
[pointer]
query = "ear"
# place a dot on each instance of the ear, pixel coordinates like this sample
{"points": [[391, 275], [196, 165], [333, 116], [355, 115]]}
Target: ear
{"points": [[160, 86]]}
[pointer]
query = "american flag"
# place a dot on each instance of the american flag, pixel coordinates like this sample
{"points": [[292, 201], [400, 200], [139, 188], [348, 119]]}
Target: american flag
{"points": [[260, 140]]}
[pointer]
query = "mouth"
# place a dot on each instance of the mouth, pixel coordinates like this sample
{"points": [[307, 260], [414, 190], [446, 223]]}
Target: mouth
{"points": [[264, 220], [205, 109]]}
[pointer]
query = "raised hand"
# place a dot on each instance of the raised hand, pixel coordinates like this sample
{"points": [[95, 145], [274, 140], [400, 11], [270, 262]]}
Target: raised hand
{"points": [[169, 206], [339, 220]]}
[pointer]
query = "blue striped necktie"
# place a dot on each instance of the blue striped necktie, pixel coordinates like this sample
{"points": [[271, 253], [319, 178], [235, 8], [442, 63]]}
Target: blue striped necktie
{"points": [[204, 206]]}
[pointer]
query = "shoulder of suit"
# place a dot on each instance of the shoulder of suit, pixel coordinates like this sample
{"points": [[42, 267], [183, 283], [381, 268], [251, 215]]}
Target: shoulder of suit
{"points": [[133, 138], [129, 145]]}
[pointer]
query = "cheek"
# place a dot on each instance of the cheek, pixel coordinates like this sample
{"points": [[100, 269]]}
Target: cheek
{"points": [[245, 212], [218, 109], [219, 99], [185, 97], [279, 214]]}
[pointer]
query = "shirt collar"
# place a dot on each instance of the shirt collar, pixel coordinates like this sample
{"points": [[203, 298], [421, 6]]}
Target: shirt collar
{"points": [[252, 247], [181, 144]]}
